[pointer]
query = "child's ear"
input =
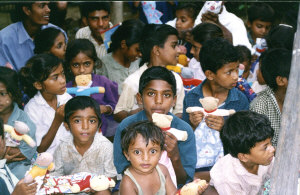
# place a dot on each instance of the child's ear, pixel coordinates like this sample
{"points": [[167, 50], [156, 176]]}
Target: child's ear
{"points": [[174, 100], [156, 50], [242, 157], [123, 44], [26, 10], [209, 75], [139, 99], [281, 81], [66, 126], [84, 21], [38, 85], [126, 155]]}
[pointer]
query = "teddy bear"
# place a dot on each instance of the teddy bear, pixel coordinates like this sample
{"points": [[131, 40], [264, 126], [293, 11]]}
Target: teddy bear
{"points": [[97, 183], [84, 83], [17, 134], [42, 164], [164, 122], [185, 72], [193, 188], [212, 6], [210, 106]]}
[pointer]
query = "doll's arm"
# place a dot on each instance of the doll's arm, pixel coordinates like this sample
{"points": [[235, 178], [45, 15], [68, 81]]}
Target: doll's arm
{"points": [[194, 109], [179, 134], [223, 112], [29, 140], [72, 90]]}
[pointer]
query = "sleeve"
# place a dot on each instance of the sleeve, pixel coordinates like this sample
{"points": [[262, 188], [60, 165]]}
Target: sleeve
{"points": [[58, 162], [126, 99], [187, 150], [180, 96], [239, 34], [78, 34], [4, 54], [111, 93], [120, 160], [185, 115], [109, 168], [259, 106]]}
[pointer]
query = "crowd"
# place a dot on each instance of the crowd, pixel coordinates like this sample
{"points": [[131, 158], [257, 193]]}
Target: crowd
{"points": [[91, 106]]}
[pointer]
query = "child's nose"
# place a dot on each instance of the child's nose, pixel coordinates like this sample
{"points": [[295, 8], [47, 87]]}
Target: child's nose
{"points": [[81, 69], [85, 125], [100, 22], [158, 99], [145, 157]]}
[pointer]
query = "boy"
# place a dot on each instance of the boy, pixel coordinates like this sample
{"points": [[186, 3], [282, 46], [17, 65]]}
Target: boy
{"points": [[8, 182], [157, 93], [96, 17], [260, 19], [246, 136], [219, 62], [275, 69], [86, 150]]}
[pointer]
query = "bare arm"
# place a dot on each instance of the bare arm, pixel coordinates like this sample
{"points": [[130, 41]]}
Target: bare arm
{"points": [[195, 118], [123, 114], [25, 188], [50, 135], [170, 187], [13, 154]]}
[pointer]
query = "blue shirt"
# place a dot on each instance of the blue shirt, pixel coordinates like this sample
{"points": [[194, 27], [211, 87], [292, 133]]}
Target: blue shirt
{"points": [[16, 46], [235, 100], [187, 149]]}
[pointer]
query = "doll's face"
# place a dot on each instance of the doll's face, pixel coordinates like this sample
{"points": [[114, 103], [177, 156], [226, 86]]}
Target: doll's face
{"points": [[83, 80]]}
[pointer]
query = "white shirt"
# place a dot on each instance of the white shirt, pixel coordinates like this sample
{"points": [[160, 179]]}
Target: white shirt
{"points": [[85, 33], [130, 88], [197, 69], [42, 115], [10, 179], [234, 24]]}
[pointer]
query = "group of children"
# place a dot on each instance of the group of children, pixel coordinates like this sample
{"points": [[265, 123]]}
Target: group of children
{"points": [[112, 133]]}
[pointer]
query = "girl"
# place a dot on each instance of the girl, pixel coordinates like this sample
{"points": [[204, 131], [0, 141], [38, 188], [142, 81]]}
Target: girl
{"points": [[159, 48], [142, 144], [123, 58], [50, 40], [18, 158], [81, 57], [44, 82]]}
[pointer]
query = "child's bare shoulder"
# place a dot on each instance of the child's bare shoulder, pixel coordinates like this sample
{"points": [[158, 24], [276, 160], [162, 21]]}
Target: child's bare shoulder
{"points": [[127, 186], [163, 169]]}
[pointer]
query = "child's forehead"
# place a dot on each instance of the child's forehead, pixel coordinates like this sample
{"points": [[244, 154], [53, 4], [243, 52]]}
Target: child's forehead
{"points": [[230, 65], [88, 111], [140, 141], [158, 85]]}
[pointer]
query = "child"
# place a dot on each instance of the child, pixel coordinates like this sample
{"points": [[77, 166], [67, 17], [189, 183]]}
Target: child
{"points": [[81, 57], [18, 158], [123, 58], [201, 33], [159, 48], [260, 84], [8, 182], [85, 150], [260, 19], [44, 82], [275, 69], [50, 40], [219, 61], [157, 93], [246, 136], [281, 36], [142, 144]]}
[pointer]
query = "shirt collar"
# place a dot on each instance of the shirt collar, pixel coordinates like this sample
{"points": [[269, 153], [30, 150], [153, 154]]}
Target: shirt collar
{"points": [[41, 101], [22, 33]]}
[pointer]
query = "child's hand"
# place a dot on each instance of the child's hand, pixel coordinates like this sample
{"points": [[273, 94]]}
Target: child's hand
{"points": [[196, 118], [13, 154], [60, 112], [214, 122], [171, 146], [210, 17], [25, 188]]}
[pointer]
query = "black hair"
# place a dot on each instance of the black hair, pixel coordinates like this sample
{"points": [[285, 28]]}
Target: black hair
{"points": [[154, 34], [1, 128], [281, 36], [243, 130], [215, 53], [18, 14], [261, 11], [191, 8], [276, 62], [37, 69], [157, 73], [81, 103], [45, 39], [130, 31], [73, 49], [206, 31], [10, 79], [147, 129], [244, 53], [88, 7]]}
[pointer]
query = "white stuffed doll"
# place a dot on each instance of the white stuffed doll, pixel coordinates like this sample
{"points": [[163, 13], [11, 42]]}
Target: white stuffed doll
{"points": [[193, 188], [18, 133]]}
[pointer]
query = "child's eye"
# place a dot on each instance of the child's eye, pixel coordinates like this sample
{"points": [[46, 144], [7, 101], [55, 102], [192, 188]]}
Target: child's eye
{"points": [[3, 94], [59, 46], [153, 151], [167, 95], [55, 78], [228, 73], [75, 65], [76, 121], [137, 152], [93, 121], [150, 93], [87, 63]]}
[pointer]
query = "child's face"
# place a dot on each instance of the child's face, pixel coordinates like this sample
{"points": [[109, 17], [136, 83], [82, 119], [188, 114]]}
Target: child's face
{"points": [[98, 22], [6, 101], [168, 55], [55, 84], [259, 28], [227, 76], [195, 50], [247, 69], [133, 52], [261, 154], [83, 125], [39, 13], [184, 22], [157, 97], [143, 157], [59, 47], [82, 64]]}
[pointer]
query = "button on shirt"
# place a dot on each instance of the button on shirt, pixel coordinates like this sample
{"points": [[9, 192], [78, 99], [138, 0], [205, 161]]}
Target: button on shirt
{"points": [[16, 46], [42, 115]]}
